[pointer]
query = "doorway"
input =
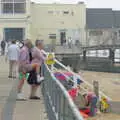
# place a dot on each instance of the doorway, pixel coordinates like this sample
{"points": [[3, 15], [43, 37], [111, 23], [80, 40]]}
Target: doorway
{"points": [[14, 34], [62, 38]]}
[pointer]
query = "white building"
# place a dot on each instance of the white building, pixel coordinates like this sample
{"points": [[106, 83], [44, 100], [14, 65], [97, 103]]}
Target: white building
{"points": [[14, 19], [21, 19]]}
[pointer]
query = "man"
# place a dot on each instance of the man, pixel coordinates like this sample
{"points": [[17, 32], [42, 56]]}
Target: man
{"points": [[3, 45], [69, 42], [13, 56]]}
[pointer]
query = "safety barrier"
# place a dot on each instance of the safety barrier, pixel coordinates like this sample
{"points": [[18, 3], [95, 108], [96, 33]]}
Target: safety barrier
{"points": [[59, 104], [87, 83]]}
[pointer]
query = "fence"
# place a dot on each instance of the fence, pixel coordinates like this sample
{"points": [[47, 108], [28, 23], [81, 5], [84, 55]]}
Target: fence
{"points": [[58, 103]]}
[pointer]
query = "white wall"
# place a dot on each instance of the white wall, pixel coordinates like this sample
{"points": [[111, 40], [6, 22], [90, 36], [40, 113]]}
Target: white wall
{"points": [[38, 23], [16, 21], [44, 23]]}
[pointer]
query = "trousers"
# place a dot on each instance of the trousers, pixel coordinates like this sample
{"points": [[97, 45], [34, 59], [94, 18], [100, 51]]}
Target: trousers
{"points": [[13, 68]]}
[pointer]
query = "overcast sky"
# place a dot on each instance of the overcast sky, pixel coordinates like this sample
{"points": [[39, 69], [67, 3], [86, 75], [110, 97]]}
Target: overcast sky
{"points": [[115, 4]]}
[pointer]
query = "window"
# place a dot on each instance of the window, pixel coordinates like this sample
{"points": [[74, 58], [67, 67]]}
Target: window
{"points": [[117, 55], [13, 6], [50, 12], [66, 12], [19, 7], [14, 33], [95, 33], [13, 1], [7, 7], [52, 36], [7, 0], [19, 0]]}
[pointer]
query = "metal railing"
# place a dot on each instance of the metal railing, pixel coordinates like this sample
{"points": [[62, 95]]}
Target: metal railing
{"points": [[59, 104], [85, 82]]}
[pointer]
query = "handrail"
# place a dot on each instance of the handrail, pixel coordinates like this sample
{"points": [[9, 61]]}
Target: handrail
{"points": [[87, 83], [58, 99], [70, 101]]}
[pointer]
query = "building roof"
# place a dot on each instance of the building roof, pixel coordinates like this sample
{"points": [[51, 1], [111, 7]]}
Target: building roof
{"points": [[116, 19], [102, 18], [99, 18]]}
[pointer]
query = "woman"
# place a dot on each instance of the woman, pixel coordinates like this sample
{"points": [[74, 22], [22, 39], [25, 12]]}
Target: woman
{"points": [[25, 66], [37, 57]]}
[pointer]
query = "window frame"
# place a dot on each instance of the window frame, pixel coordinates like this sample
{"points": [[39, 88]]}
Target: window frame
{"points": [[13, 2]]}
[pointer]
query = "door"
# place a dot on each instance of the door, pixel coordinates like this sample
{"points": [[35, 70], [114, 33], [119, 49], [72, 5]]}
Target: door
{"points": [[62, 37], [14, 34]]}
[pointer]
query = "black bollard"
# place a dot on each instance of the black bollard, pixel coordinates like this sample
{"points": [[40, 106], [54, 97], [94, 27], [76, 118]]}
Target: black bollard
{"points": [[112, 55], [84, 55]]}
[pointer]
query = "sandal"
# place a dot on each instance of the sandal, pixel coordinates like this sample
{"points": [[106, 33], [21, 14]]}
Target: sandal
{"points": [[35, 98]]}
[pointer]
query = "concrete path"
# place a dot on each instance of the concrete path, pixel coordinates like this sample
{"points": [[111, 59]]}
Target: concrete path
{"points": [[30, 109], [5, 83], [23, 110]]}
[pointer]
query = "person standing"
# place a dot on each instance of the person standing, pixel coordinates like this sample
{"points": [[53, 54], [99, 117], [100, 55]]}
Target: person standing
{"points": [[39, 58], [69, 42], [25, 66], [13, 56], [3, 45]]}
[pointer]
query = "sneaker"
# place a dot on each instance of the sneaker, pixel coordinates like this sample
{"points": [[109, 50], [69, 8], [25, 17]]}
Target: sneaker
{"points": [[20, 97], [39, 78]]}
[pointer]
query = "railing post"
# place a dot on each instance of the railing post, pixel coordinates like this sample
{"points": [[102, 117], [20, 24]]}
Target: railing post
{"points": [[111, 55], [96, 88], [84, 55]]}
